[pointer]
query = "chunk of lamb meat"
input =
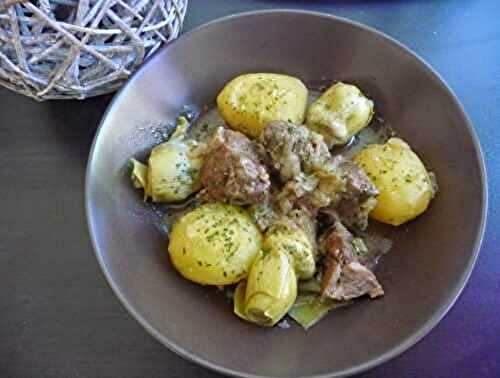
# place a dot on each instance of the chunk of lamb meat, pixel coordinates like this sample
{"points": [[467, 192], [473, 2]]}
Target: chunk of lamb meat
{"points": [[354, 211], [292, 149], [339, 186], [357, 194], [356, 280], [232, 171], [294, 191], [357, 182], [344, 277], [368, 247]]}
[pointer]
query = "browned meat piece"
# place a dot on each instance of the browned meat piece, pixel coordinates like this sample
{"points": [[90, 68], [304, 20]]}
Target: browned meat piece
{"points": [[332, 269], [313, 179], [354, 211], [315, 152], [294, 190], [293, 148], [374, 246], [232, 172], [307, 204], [344, 277], [358, 184], [336, 242], [356, 280], [340, 185], [327, 216], [352, 193], [336, 247]]}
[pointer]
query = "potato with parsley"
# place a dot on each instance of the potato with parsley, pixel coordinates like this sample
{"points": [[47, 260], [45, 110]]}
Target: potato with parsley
{"points": [[339, 113], [215, 244], [249, 102], [405, 186]]}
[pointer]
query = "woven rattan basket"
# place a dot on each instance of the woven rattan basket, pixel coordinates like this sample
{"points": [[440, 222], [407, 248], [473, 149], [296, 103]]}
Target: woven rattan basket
{"points": [[62, 49]]}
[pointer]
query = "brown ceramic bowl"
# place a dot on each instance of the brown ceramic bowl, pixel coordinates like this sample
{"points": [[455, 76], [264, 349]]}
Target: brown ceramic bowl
{"points": [[432, 258]]}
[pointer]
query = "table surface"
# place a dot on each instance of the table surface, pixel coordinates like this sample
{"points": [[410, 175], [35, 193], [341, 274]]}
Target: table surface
{"points": [[59, 318]]}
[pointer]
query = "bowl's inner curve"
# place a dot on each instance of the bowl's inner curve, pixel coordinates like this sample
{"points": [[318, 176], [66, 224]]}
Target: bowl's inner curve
{"points": [[431, 257]]}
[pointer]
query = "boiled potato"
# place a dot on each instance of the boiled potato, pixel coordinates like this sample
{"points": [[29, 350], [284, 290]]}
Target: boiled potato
{"points": [[249, 102], [287, 237], [174, 168], [270, 291], [339, 113], [403, 182], [215, 244]]}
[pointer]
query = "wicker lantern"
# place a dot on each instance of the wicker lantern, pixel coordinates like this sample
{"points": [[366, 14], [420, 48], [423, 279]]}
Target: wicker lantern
{"points": [[62, 49]]}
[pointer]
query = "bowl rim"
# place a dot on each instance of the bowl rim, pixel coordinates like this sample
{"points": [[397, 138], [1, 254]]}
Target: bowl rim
{"points": [[396, 350]]}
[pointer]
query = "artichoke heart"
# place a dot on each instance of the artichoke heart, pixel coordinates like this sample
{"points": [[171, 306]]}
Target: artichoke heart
{"points": [[139, 174], [287, 237], [239, 300], [270, 291], [339, 113], [173, 170]]}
